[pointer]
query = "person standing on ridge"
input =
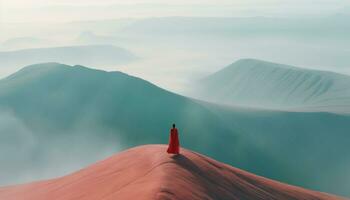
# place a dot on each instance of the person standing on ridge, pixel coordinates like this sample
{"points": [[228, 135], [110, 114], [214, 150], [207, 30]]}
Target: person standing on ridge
{"points": [[174, 144]]}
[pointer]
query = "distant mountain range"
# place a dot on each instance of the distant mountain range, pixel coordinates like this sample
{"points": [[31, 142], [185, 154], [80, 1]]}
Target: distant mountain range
{"points": [[148, 173], [52, 113], [23, 43], [90, 38], [257, 83], [334, 25]]}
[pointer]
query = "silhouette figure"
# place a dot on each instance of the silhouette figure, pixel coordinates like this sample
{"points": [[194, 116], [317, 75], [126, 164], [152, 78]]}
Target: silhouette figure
{"points": [[174, 144]]}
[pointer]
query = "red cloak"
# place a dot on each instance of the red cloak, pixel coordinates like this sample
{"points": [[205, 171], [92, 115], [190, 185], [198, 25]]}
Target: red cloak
{"points": [[174, 144]]}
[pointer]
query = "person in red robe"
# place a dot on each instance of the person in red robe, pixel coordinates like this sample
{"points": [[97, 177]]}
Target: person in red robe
{"points": [[174, 144]]}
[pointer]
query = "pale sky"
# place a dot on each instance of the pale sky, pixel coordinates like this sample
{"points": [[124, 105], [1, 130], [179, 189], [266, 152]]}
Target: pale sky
{"points": [[67, 10]]}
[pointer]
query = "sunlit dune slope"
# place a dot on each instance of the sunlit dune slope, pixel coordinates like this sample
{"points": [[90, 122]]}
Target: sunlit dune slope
{"points": [[148, 172]]}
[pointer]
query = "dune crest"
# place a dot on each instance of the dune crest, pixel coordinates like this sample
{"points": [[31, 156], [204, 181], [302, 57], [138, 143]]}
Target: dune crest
{"points": [[148, 172]]}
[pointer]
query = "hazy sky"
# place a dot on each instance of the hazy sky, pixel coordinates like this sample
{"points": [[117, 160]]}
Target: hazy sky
{"points": [[64, 10]]}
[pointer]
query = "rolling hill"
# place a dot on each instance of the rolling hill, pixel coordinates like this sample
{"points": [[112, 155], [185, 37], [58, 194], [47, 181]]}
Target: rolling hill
{"points": [[72, 110], [58, 118], [257, 83], [148, 172]]}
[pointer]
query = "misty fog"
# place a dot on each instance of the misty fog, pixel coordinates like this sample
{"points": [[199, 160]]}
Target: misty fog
{"points": [[174, 51], [173, 45], [41, 155]]}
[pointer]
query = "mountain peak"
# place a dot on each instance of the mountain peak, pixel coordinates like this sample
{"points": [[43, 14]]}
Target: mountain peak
{"points": [[148, 172], [257, 63], [40, 69], [251, 62]]}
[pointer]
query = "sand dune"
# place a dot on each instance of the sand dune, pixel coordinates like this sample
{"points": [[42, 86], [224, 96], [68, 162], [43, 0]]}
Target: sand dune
{"points": [[148, 172]]}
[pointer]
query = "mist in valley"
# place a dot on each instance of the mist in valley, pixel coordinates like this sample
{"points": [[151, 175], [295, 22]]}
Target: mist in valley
{"points": [[28, 155], [55, 122], [187, 43]]}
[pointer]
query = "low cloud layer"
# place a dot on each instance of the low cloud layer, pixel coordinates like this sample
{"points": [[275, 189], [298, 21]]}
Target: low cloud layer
{"points": [[25, 156]]}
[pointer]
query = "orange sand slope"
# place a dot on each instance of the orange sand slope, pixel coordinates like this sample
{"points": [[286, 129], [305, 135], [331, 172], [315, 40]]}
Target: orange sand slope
{"points": [[148, 172]]}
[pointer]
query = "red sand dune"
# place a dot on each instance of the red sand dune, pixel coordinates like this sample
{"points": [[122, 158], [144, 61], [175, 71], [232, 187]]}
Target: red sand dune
{"points": [[148, 172]]}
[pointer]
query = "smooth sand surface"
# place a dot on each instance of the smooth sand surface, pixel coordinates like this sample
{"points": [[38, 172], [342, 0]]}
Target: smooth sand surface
{"points": [[148, 172]]}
